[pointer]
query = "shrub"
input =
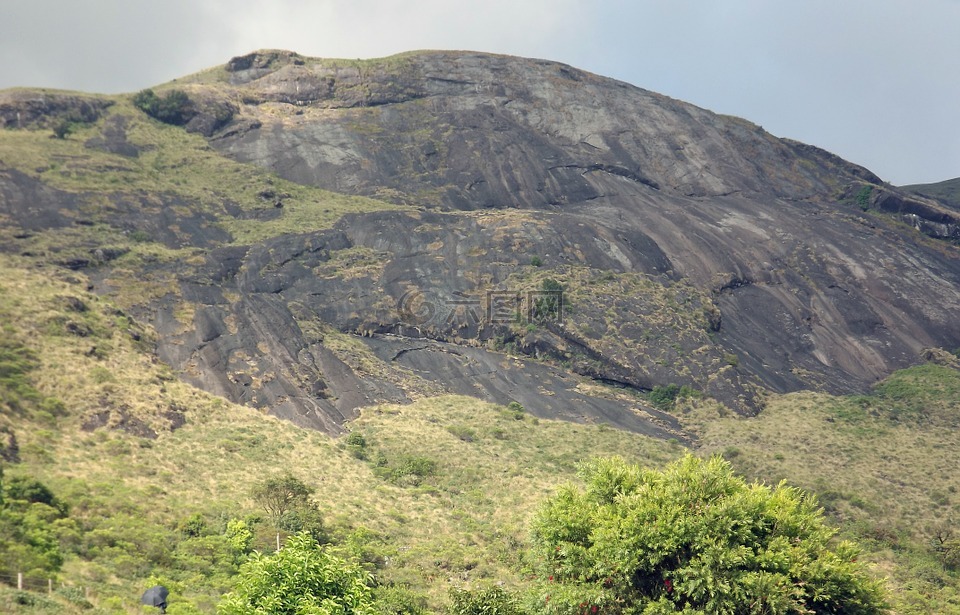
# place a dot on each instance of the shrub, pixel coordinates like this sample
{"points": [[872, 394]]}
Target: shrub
{"points": [[63, 128], [357, 444], [398, 600], [863, 197], [663, 397], [467, 434], [302, 578], [693, 538], [140, 236], [173, 107], [408, 469], [548, 305], [489, 601]]}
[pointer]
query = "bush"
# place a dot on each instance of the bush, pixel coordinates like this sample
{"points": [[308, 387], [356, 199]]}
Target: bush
{"points": [[490, 601], [408, 470], [173, 107], [693, 538], [864, 197], [549, 302], [465, 433], [357, 445], [665, 397], [397, 600], [302, 578]]}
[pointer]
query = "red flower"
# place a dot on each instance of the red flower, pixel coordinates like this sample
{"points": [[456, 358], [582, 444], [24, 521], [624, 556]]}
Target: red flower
{"points": [[550, 577], [593, 609], [668, 585]]}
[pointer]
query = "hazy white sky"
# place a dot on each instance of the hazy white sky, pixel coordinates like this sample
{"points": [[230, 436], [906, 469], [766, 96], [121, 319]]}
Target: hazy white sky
{"points": [[875, 81]]}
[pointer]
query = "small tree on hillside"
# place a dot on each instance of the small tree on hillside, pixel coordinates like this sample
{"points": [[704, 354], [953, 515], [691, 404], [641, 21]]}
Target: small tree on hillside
{"points": [[691, 539], [281, 494], [286, 500]]}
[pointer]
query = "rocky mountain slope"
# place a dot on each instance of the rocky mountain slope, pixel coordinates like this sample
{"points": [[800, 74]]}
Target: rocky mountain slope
{"points": [[947, 191], [691, 248]]}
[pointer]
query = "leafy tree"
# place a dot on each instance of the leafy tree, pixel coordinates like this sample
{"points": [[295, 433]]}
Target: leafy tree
{"points": [[286, 500], [693, 538], [302, 578], [32, 521], [32, 491], [279, 495]]}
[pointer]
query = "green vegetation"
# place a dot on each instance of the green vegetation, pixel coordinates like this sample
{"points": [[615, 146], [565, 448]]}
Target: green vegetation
{"points": [[286, 500], [16, 363], [693, 538], [488, 601], [33, 522], [172, 167], [173, 107], [549, 303], [302, 578], [665, 397], [863, 197], [63, 127]]}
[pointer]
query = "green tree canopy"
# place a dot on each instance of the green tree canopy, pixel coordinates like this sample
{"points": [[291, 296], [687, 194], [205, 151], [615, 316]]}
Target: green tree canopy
{"points": [[303, 578], [281, 494], [693, 538]]}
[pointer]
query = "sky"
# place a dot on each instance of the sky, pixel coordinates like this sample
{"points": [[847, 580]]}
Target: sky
{"points": [[874, 81]]}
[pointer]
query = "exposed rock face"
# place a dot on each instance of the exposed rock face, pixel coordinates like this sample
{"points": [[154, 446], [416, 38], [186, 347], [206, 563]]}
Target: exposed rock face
{"points": [[692, 248], [29, 108], [811, 291]]}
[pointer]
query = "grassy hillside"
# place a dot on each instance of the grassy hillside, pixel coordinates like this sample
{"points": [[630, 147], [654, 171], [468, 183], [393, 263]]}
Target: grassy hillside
{"points": [[435, 495]]}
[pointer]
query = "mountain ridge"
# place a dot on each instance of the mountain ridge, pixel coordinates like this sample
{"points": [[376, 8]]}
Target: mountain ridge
{"points": [[764, 264]]}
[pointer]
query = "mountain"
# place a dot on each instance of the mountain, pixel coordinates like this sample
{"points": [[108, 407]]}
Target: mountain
{"points": [[946, 191], [386, 246], [409, 208]]}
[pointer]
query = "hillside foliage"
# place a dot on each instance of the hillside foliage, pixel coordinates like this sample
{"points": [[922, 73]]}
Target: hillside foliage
{"points": [[694, 538]]}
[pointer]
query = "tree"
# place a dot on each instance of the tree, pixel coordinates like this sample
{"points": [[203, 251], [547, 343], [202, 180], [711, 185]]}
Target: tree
{"points": [[303, 578], [277, 496], [286, 500], [693, 538]]}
